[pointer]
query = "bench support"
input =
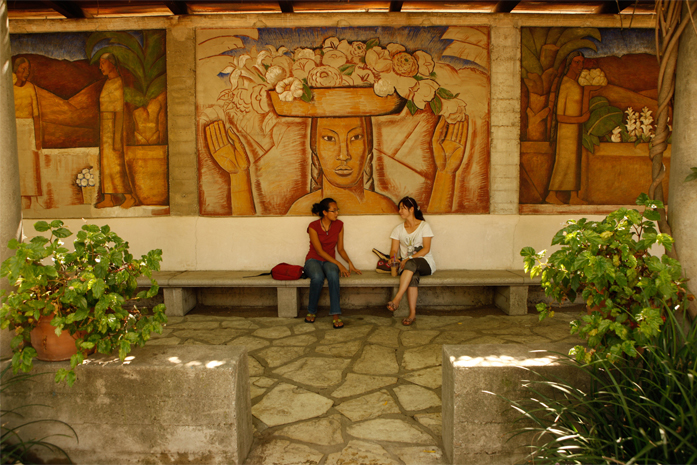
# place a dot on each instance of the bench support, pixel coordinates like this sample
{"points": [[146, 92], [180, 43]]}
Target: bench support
{"points": [[179, 300], [513, 300], [288, 302]]}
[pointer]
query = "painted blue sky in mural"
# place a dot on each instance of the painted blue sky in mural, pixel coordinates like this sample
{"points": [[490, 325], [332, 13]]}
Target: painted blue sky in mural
{"points": [[619, 42], [68, 46]]}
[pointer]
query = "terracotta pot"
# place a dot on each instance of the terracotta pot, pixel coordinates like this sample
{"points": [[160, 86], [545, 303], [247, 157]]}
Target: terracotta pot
{"points": [[48, 346]]}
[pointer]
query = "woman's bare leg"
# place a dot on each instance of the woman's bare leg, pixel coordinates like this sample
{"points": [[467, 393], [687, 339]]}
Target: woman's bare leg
{"points": [[412, 294], [404, 281]]}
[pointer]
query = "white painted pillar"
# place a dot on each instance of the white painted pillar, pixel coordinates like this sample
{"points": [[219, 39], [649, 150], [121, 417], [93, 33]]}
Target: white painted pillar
{"points": [[682, 210], [10, 199]]}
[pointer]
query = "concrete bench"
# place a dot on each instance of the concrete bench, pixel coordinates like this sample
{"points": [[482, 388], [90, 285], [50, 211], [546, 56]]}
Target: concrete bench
{"points": [[162, 405], [179, 287]]}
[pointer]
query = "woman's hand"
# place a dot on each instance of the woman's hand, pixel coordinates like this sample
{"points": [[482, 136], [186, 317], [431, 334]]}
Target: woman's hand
{"points": [[402, 263], [353, 269], [343, 271]]}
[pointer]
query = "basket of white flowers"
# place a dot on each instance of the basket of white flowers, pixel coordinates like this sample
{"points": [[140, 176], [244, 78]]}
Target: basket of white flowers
{"points": [[85, 180]]}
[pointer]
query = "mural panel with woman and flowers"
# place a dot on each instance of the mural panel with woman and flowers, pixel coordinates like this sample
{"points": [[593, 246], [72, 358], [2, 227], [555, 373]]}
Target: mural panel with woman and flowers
{"points": [[363, 115], [588, 106]]}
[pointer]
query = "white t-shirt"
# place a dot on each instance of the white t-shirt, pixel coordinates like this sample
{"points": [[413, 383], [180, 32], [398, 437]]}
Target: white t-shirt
{"points": [[413, 240]]}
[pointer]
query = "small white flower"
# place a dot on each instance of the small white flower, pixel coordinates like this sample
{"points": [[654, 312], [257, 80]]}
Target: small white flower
{"points": [[616, 136]]}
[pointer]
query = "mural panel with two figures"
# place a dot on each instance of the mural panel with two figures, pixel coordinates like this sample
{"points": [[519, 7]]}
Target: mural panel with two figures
{"points": [[589, 106], [288, 116], [91, 123]]}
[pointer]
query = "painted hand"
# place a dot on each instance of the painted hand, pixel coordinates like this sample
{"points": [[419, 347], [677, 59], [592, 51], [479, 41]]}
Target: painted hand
{"points": [[449, 141], [227, 149]]}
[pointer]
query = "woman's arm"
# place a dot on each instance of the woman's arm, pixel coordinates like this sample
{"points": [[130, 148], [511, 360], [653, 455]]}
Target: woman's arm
{"points": [[425, 249], [344, 255], [314, 240]]}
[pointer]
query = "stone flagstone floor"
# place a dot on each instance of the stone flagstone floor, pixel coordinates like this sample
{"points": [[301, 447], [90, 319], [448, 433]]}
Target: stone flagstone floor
{"points": [[369, 393]]}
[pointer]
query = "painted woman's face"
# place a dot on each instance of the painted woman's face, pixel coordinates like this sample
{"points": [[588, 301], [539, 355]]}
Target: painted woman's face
{"points": [[22, 73], [576, 64], [105, 66], [342, 150]]}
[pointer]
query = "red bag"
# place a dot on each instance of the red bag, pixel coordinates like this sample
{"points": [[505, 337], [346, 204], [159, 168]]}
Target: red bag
{"points": [[286, 272]]}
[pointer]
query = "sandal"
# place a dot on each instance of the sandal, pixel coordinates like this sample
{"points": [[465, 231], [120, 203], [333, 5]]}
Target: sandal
{"points": [[338, 324], [408, 321], [310, 318], [391, 306]]}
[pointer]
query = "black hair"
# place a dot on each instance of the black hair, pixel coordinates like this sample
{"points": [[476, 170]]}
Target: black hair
{"points": [[409, 202], [319, 208]]}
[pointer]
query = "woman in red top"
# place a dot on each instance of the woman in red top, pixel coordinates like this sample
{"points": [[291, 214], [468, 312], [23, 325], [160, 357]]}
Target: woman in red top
{"points": [[326, 235]]}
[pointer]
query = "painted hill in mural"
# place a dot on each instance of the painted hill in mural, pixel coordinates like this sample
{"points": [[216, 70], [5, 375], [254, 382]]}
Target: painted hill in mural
{"points": [[68, 94]]}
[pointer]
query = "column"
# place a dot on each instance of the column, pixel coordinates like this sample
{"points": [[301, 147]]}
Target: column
{"points": [[10, 199], [682, 196]]}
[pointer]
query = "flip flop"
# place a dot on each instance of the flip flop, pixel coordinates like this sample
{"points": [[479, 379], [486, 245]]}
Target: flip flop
{"points": [[338, 324], [310, 318], [408, 321], [391, 306]]}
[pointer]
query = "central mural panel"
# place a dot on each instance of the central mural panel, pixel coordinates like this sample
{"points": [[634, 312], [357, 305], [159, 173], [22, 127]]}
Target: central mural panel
{"points": [[288, 116]]}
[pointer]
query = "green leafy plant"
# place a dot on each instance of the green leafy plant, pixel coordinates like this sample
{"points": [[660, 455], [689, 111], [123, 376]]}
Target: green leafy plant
{"points": [[13, 447], [608, 263], [692, 176], [603, 119], [640, 411], [83, 291]]}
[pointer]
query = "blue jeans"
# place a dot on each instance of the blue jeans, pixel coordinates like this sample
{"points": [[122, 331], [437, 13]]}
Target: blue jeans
{"points": [[317, 271]]}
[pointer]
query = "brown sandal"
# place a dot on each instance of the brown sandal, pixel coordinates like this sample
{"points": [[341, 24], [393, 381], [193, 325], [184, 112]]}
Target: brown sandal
{"points": [[408, 321], [391, 306]]}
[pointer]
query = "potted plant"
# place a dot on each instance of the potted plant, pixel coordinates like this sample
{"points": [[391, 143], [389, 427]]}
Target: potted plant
{"points": [[82, 293], [626, 289]]}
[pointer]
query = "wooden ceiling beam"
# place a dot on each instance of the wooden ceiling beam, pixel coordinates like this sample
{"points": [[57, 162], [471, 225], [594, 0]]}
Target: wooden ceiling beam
{"points": [[68, 9], [177, 7], [286, 6], [506, 6]]}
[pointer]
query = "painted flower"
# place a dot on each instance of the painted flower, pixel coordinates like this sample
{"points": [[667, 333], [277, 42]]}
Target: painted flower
{"points": [[454, 110], [331, 43], [394, 49], [425, 62], [289, 89], [324, 76], [242, 97], [404, 64], [379, 59], [383, 88], [302, 67], [616, 135], [424, 92], [335, 58], [275, 74], [260, 99], [303, 53], [362, 76]]}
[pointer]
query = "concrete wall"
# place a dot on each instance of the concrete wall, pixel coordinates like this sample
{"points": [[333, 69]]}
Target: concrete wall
{"points": [[462, 241], [477, 423], [162, 405]]}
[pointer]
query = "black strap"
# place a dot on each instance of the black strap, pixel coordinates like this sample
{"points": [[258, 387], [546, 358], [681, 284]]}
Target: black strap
{"points": [[257, 275]]}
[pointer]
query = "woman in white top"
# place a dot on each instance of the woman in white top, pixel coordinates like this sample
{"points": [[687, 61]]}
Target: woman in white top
{"points": [[413, 240]]}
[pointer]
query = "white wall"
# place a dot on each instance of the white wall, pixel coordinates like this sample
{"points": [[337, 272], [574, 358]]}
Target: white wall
{"points": [[194, 243]]}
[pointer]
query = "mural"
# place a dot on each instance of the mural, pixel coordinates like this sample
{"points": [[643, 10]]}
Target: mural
{"points": [[92, 122], [287, 116], [588, 100]]}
